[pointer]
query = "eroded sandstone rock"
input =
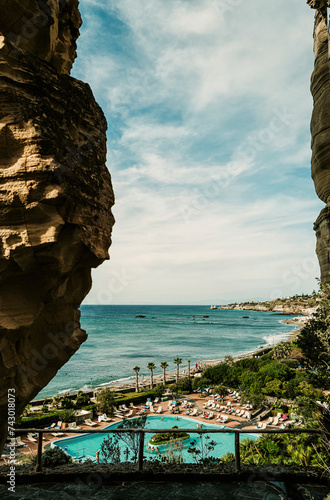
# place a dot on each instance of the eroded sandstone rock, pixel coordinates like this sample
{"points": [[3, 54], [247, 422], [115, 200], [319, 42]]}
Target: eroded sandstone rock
{"points": [[55, 203], [320, 129], [47, 29]]}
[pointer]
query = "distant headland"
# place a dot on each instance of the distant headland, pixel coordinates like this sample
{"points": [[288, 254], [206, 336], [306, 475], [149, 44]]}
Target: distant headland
{"points": [[304, 305]]}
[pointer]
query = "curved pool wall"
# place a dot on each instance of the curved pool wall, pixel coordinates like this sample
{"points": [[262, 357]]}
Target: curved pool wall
{"points": [[85, 446]]}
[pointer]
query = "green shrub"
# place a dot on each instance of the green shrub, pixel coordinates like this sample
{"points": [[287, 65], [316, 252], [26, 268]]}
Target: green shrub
{"points": [[165, 437], [183, 386], [221, 389], [82, 400], [39, 422], [291, 363], [66, 415], [55, 456], [67, 403]]}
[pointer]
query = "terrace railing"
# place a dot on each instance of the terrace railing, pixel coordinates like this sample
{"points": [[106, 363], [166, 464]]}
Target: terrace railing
{"points": [[142, 432]]}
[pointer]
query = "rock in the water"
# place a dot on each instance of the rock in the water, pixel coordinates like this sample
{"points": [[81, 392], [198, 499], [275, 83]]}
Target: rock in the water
{"points": [[320, 129], [55, 198]]}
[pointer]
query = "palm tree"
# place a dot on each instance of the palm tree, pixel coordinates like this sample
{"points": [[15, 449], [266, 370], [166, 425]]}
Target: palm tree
{"points": [[189, 361], [164, 365], [137, 369], [178, 362], [151, 367]]}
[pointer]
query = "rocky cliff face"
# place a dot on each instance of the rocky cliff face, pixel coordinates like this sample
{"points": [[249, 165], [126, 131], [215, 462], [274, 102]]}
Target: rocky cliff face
{"points": [[320, 129], [55, 195]]}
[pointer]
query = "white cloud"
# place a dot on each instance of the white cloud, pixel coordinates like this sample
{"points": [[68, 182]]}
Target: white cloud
{"points": [[208, 112]]}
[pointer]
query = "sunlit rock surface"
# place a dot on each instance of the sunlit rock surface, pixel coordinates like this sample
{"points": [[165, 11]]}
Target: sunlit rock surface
{"points": [[55, 197], [320, 129]]}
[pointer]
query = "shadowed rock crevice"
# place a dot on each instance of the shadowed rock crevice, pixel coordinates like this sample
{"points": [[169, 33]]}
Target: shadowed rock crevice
{"points": [[55, 195]]}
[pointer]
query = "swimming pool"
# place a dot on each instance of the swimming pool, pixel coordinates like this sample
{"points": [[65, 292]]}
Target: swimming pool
{"points": [[86, 445]]}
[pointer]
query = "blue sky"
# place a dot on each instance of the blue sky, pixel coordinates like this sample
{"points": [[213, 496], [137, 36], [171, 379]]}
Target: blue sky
{"points": [[208, 107]]}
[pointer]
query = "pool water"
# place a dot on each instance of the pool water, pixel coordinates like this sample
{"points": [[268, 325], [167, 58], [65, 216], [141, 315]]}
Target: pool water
{"points": [[86, 445]]}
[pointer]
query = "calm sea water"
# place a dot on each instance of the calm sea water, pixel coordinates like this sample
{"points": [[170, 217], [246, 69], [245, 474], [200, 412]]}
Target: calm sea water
{"points": [[118, 341]]}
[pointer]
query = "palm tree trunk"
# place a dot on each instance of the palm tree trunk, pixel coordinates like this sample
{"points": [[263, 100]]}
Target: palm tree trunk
{"points": [[177, 373], [152, 379], [137, 382], [164, 377], [188, 369]]}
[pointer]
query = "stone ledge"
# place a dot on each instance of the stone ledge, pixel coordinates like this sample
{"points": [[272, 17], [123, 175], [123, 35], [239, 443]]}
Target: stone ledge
{"points": [[154, 471]]}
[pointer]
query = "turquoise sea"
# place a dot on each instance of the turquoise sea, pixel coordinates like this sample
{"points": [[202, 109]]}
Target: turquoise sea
{"points": [[118, 341]]}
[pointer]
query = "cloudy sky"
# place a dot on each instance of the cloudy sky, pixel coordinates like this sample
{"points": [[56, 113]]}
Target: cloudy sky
{"points": [[208, 106]]}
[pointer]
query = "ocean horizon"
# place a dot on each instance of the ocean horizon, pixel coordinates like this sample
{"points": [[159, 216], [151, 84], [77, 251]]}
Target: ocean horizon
{"points": [[118, 341]]}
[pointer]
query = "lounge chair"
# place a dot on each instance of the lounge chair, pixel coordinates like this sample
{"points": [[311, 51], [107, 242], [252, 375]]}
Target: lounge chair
{"points": [[151, 408], [17, 442], [73, 425], [156, 400], [106, 418], [89, 422], [270, 420], [159, 409], [31, 438], [275, 421], [57, 434], [130, 413], [211, 415], [134, 407]]}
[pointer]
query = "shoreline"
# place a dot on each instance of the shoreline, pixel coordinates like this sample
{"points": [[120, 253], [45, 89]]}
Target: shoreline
{"points": [[144, 384]]}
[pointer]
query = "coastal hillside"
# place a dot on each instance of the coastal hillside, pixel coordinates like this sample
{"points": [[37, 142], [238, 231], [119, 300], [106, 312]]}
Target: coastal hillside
{"points": [[304, 305]]}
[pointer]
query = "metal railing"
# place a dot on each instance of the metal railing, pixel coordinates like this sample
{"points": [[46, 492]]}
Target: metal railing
{"points": [[142, 432]]}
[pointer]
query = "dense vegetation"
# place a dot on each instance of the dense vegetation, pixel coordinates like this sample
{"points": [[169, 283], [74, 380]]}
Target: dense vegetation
{"points": [[296, 373]]}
